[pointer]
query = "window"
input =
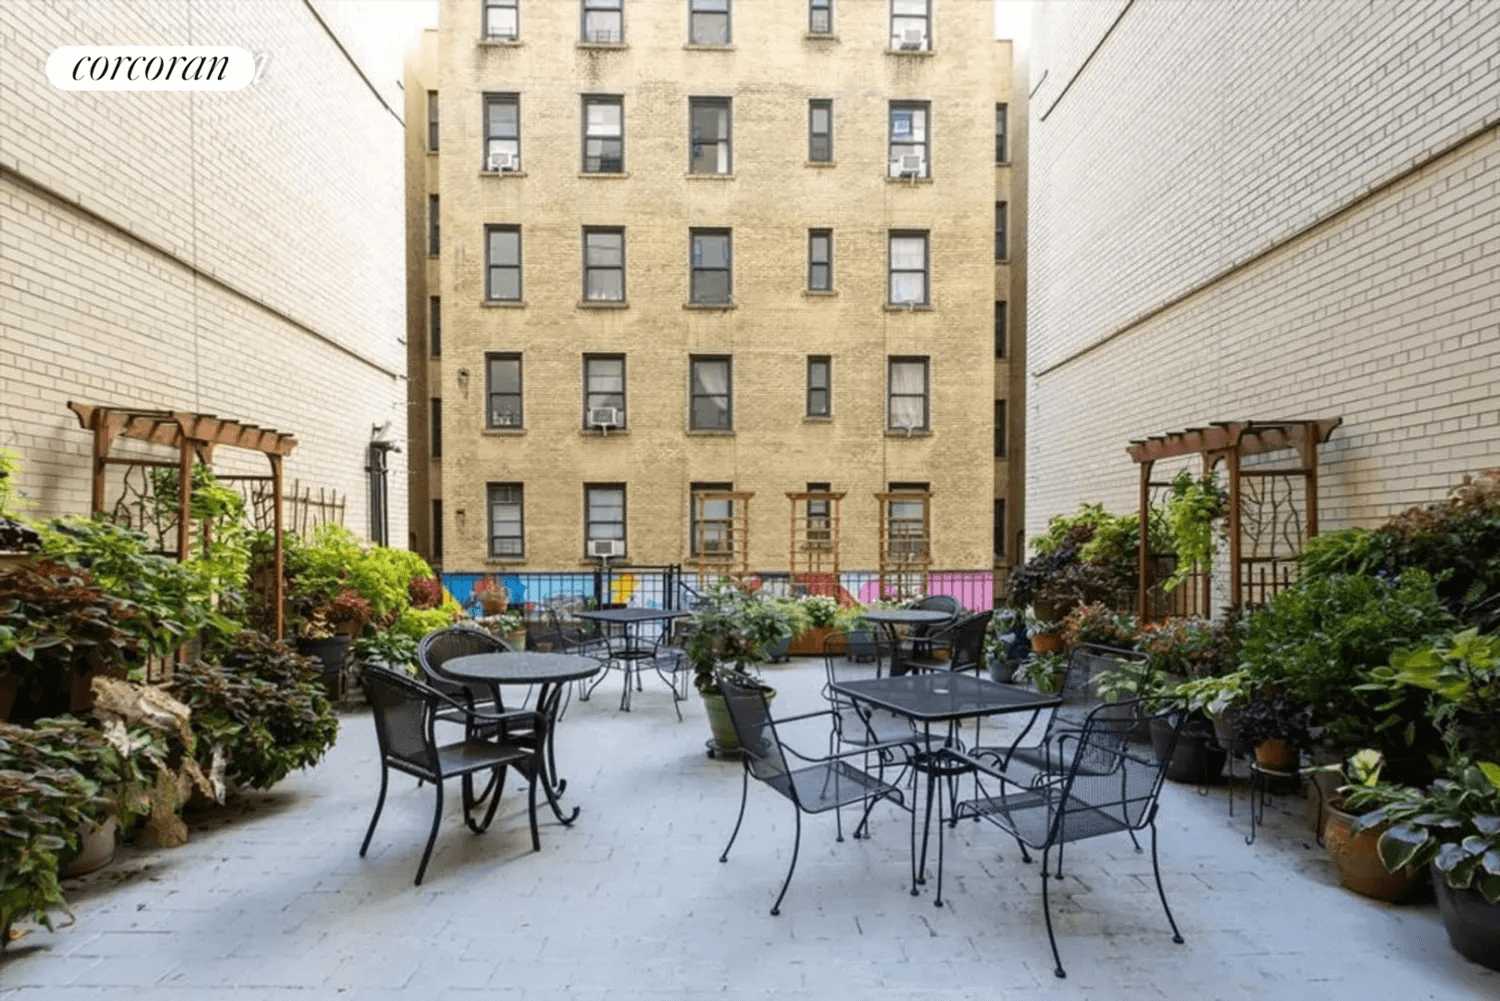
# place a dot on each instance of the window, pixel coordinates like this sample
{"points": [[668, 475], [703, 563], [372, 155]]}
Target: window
{"points": [[711, 520], [818, 370], [435, 426], [819, 518], [907, 406], [434, 326], [603, 135], [604, 513], [433, 241], [710, 397], [820, 260], [507, 521], [1001, 337], [711, 266], [432, 121], [910, 21], [603, 387], [709, 118], [604, 265], [603, 21], [820, 131], [503, 263], [1002, 248], [502, 132], [502, 380], [908, 269], [437, 532], [908, 139], [501, 19], [708, 22], [999, 427], [906, 522], [820, 17], [999, 529], [1000, 122]]}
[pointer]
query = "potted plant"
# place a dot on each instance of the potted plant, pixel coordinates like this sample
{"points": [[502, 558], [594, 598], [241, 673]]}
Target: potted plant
{"points": [[731, 630], [1354, 846], [1046, 634], [1045, 671], [508, 624], [817, 617], [1279, 729]]}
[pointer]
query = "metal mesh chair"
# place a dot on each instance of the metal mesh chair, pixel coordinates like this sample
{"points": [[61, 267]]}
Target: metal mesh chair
{"points": [[823, 784], [441, 646], [921, 640], [406, 712], [964, 641], [1102, 786]]}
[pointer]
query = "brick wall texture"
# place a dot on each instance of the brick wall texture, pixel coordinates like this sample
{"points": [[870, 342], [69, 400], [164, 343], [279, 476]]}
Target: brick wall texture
{"points": [[1250, 210], [237, 253]]}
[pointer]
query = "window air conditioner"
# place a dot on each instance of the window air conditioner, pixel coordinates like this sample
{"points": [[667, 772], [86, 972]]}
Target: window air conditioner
{"points": [[504, 419], [605, 36], [604, 417], [501, 161], [913, 39], [912, 165], [606, 547]]}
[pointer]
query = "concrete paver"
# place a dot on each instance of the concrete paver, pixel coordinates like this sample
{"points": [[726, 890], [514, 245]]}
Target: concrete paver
{"points": [[270, 900]]}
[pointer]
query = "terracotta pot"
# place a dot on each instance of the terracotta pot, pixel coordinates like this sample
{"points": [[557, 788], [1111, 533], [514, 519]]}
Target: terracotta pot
{"points": [[1472, 923], [810, 643], [1277, 755], [1358, 861], [1046, 642]]}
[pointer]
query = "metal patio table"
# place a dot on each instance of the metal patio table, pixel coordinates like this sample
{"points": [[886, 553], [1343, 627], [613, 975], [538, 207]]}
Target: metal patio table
{"points": [[552, 672], [891, 619], [631, 649], [941, 697]]}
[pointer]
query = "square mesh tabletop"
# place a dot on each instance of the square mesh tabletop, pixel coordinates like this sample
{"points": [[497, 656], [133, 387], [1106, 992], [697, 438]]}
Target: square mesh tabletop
{"points": [[944, 696]]}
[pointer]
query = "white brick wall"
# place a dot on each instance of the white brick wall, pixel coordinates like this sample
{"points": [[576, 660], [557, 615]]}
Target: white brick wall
{"points": [[1242, 129], [286, 199]]}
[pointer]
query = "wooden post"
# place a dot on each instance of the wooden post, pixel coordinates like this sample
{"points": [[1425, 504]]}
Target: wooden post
{"points": [[1232, 464], [1143, 550], [278, 585]]}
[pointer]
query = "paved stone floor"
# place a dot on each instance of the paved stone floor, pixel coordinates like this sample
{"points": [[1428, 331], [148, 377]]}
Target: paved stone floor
{"points": [[271, 900]]}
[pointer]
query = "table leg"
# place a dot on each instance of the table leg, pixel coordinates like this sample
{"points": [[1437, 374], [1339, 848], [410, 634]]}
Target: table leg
{"points": [[547, 701]]}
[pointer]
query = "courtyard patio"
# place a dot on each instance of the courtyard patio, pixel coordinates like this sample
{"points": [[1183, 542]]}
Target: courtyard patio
{"points": [[269, 899]]}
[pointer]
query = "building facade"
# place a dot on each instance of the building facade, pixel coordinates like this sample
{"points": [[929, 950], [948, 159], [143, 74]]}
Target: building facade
{"points": [[1250, 211], [235, 252], [672, 262]]}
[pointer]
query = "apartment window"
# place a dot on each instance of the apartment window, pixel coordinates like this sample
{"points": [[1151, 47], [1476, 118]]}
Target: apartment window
{"points": [[708, 22], [910, 25], [604, 265], [908, 269], [906, 408], [710, 395], [999, 427], [502, 382], [820, 131], [437, 532], [434, 326], [603, 135], [1002, 338], [604, 513], [711, 519], [507, 520], [432, 121], [435, 426], [818, 385], [908, 139], [819, 517], [433, 240], [709, 119], [503, 263], [820, 17], [502, 132], [906, 522], [1002, 247], [1001, 112], [603, 21], [603, 389], [711, 266], [999, 530], [501, 19], [820, 260]]}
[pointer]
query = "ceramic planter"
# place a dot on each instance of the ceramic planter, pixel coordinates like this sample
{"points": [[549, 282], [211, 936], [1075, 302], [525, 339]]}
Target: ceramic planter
{"points": [[1358, 861], [1196, 758], [1277, 755], [1472, 923], [1046, 642]]}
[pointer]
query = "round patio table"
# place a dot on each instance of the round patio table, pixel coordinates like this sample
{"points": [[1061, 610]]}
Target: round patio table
{"points": [[890, 619], [551, 671]]}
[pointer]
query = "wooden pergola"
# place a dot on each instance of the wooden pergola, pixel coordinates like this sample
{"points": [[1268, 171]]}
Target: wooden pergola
{"points": [[194, 436], [1262, 550]]}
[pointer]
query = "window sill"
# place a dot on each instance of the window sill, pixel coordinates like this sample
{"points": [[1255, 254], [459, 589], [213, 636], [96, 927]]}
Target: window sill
{"points": [[820, 163], [434, 257], [709, 177], [501, 173], [901, 307], [486, 42], [817, 420], [820, 36], [710, 307], [1002, 163], [602, 304], [504, 561], [602, 432], [710, 432], [604, 174], [914, 433], [708, 47], [925, 53], [432, 152], [908, 180], [820, 293], [584, 44], [505, 432], [1002, 260], [503, 303]]}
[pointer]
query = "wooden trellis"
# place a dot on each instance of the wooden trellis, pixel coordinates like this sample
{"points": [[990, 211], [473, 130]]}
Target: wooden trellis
{"points": [[814, 534], [721, 534], [905, 541], [1273, 507]]}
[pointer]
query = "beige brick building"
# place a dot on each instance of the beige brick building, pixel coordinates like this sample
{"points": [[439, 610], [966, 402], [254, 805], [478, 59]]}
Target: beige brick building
{"points": [[670, 246], [1251, 210], [237, 252]]}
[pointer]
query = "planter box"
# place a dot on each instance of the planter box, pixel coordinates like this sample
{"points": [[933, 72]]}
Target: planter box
{"points": [[810, 643]]}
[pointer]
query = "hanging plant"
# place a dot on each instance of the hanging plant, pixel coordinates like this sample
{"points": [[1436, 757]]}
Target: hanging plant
{"points": [[1190, 514]]}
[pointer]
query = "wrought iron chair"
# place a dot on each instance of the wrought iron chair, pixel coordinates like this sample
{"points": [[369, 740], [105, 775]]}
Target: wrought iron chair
{"points": [[406, 712], [442, 645], [671, 664], [921, 640], [823, 784], [964, 642], [1103, 786]]}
